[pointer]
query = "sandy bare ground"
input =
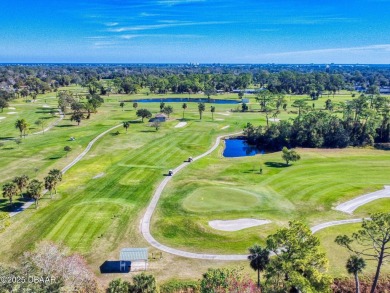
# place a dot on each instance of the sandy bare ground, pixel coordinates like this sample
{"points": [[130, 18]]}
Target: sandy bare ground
{"points": [[11, 113], [100, 175], [351, 205], [236, 225], [225, 127], [181, 124]]}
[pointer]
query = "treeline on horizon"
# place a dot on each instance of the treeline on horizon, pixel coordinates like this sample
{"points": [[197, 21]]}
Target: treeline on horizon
{"points": [[18, 80]]}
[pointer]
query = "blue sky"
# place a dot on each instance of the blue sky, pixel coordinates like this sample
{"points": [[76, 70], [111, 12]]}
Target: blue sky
{"points": [[200, 31]]}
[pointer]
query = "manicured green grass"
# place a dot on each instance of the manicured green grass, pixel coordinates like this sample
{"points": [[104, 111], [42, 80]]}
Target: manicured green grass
{"points": [[98, 217], [214, 199], [307, 191]]}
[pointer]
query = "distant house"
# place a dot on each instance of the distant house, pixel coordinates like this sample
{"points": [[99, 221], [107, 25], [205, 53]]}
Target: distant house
{"points": [[161, 117], [246, 91], [384, 90]]}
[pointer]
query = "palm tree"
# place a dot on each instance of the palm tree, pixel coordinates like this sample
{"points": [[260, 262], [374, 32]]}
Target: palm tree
{"points": [[122, 104], [259, 259], [126, 125], [50, 183], [144, 283], [34, 190], [57, 174], [21, 182], [355, 265], [201, 108], [22, 125], [184, 106], [10, 189], [212, 112]]}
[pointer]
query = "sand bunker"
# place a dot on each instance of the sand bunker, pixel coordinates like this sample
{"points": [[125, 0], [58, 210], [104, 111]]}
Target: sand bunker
{"points": [[2, 118], [99, 175], [11, 108], [46, 106], [219, 119], [274, 119], [12, 113], [181, 124], [227, 126], [236, 225], [224, 114]]}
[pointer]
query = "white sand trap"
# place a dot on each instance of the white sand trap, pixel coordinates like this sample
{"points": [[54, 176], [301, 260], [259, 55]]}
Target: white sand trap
{"points": [[236, 225], [12, 113], [227, 126], [181, 124], [99, 175], [219, 119], [11, 108], [224, 114], [2, 118], [46, 106], [274, 119]]}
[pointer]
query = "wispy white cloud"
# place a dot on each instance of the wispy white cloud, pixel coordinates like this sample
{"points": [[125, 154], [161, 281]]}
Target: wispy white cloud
{"points": [[145, 14], [362, 49], [181, 36], [177, 2], [163, 25], [111, 24], [97, 37], [311, 20]]}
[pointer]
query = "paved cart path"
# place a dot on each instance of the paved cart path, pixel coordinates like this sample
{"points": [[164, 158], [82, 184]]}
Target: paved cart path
{"points": [[66, 168], [146, 219], [353, 204]]}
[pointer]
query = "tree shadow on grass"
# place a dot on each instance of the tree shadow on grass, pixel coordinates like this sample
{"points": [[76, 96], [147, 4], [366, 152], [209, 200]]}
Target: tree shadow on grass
{"points": [[276, 165], [16, 206], [147, 130], [6, 137], [54, 157], [65, 125]]}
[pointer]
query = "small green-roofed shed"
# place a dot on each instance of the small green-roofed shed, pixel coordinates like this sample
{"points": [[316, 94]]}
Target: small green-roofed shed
{"points": [[133, 255]]}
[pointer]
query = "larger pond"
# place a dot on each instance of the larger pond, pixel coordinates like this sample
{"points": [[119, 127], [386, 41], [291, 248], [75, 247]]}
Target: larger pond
{"points": [[186, 100], [236, 147]]}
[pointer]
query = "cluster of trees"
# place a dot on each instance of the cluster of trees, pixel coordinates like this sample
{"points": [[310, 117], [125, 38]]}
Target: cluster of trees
{"points": [[33, 189], [365, 120], [80, 105], [24, 81], [49, 268], [291, 261]]}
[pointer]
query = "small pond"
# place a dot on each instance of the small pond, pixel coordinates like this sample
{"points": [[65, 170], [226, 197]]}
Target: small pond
{"points": [[236, 147], [185, 100]]}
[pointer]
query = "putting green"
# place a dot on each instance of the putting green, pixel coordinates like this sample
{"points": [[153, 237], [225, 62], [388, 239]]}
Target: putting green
{"points": [[213, 199]]}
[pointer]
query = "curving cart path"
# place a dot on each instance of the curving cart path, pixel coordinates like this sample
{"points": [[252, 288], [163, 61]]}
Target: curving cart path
{"points": [[146, 219], [66, 168], [62, 116], [351, 205]]}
